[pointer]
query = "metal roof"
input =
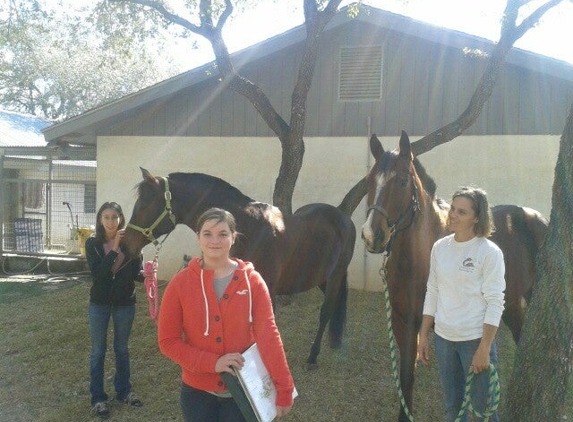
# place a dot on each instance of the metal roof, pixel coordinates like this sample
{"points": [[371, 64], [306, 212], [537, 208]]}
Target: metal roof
{"points": [[21, 130]]}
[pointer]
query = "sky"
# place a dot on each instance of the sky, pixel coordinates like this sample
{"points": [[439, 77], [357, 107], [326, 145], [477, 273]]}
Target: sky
{"points": [[477, 17]]}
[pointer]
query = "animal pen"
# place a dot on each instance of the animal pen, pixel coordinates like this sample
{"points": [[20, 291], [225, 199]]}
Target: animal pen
{"points": [[48, 198]]}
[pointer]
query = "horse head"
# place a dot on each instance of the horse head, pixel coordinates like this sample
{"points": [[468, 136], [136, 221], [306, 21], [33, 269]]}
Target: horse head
{"points": [[393, 194], [152, 214]]}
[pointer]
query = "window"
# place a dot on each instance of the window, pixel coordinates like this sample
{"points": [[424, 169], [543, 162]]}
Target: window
{"points": [[360, 77]]}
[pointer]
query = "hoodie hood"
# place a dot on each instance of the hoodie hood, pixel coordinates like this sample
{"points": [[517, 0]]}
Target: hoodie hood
{"points": [[195, 265]]}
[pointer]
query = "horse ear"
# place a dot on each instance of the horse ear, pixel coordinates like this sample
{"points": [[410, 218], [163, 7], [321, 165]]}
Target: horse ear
{"points": [[147, 176], [405, 148], [376, 146]]}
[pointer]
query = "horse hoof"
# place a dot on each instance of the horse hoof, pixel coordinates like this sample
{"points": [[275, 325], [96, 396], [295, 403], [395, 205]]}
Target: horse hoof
{"points": [[311, 366]]}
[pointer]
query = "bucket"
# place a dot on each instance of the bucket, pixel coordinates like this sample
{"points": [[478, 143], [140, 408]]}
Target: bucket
{"points": [[83, 234]]}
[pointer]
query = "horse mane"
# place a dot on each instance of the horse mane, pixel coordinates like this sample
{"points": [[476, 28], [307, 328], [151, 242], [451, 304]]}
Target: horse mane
{"points": [[269, 213], [427, 182], [260, 211], [231, 191]]}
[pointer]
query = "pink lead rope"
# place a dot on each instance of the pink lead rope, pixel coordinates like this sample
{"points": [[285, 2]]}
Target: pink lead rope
{"points": [[150, 274]]}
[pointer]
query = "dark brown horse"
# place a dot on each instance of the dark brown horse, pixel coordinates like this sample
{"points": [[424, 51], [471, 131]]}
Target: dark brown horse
{"points": [[313, 247], [405, 219]]}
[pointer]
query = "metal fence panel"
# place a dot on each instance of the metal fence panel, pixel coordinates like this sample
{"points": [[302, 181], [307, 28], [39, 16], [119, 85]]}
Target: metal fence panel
{"points": [[44, 203]]}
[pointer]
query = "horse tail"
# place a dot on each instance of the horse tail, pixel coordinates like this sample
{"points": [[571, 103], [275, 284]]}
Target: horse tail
{"points": [[338, 319], [353, 198]]}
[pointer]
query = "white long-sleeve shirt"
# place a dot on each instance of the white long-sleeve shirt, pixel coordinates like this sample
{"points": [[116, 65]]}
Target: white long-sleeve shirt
{"points": [[465, 287]]}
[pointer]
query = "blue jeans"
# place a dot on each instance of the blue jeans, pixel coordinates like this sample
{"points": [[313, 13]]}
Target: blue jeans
{"points": [[454, 360], [99, 316], [201, 406]]}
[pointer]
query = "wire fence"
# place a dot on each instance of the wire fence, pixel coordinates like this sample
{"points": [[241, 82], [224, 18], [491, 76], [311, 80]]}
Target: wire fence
{"points": [[48, 204]]}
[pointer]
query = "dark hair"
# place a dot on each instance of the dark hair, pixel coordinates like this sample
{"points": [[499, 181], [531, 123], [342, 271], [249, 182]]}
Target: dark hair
{"points": [[478, 197], [220, 215], [99, 229]]}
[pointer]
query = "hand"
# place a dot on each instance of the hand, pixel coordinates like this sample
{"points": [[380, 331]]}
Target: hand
{"points": [[117, 239], [283, 410], [227, 362], [424, 350], [480, 360]]}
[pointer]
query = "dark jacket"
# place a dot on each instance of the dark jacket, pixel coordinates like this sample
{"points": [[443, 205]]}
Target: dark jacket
{"points": [[107, 288]]}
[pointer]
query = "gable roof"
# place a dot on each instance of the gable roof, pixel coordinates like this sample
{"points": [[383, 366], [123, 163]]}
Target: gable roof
{"points": [[83, 129]]}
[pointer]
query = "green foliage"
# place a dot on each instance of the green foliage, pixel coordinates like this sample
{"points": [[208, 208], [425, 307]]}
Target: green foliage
{"points": [[53, 63]]}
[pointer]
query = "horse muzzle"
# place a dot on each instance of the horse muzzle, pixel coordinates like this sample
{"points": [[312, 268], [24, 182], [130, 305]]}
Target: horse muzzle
{"points": [[376, 240], [133, 242]]}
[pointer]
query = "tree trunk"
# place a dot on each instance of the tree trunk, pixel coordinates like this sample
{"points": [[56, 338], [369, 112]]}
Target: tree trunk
{"points": [[544, 359]]}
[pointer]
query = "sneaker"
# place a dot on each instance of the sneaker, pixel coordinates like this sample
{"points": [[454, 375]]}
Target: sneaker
{"points": [[132, 400], [101, 410]]}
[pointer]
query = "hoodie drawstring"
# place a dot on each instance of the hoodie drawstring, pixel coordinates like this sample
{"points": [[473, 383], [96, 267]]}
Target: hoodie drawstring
{"points": [[250, 297], [206, 333]]}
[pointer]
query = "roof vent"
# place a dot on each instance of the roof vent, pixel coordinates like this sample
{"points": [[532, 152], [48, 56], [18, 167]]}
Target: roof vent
{"points": [[360, 77]]}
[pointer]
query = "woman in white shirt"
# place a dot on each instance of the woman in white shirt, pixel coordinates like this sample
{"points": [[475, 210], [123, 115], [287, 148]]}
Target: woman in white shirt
{"points": [[464, 301]]}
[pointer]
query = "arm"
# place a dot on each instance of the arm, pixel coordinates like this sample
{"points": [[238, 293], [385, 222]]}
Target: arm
{"points": [[493, 292], [480, 360], [100, 265], [137, 268], [270, 344], [430, 305], [423, 342], [493, 287]]}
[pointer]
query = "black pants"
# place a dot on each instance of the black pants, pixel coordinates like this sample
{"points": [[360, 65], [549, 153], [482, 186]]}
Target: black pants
{"points": [[201, 406]]}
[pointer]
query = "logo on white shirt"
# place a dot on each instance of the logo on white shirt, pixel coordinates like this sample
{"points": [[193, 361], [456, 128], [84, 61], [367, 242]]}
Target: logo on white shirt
{"points": [[468, 265], [468, 262]]}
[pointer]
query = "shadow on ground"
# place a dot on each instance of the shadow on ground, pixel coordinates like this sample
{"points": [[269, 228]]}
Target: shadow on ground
{"points": [[21, 286]]}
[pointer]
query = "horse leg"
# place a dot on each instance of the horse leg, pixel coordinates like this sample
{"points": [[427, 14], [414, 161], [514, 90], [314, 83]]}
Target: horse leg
{"points": [[513, 317], [333, 310], [311, 362], [338, 315], [519, 282], [406, 337]]}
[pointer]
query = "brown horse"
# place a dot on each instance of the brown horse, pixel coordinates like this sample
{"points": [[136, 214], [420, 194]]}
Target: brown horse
{"points": [[311, 248], [405, 218]]}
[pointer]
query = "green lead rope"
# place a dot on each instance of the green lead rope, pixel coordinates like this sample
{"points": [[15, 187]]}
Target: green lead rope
{"points": [[492, 402], [494, 390]]}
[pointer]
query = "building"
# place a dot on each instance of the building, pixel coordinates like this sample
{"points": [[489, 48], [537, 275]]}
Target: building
{"points": [[377, 73], [39, 188]]}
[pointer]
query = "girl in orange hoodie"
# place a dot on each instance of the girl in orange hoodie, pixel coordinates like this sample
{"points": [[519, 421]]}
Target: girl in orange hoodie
{"points": [[210, 313]]}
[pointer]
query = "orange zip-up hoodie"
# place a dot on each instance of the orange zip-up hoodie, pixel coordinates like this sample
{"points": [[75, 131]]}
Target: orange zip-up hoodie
{"points": [[195, 329]]}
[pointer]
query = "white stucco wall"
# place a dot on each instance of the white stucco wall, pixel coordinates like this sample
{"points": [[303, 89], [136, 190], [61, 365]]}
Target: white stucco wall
{"points": [[512, 170]]}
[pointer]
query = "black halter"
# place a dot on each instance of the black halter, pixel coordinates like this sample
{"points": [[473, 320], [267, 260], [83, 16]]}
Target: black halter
{"points": [[397, 226]]}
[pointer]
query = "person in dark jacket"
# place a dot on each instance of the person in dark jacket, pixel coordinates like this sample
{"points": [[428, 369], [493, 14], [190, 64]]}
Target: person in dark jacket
{"points": [[112, 295]]}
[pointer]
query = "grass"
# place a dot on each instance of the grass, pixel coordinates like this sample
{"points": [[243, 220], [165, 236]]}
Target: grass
{"points": [[44, 351]]}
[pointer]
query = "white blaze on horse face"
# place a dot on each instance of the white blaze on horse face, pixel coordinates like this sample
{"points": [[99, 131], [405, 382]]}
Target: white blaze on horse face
{"points": [[367, 229]]}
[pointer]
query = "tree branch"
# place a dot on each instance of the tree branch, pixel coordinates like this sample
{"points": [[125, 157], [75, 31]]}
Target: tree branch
{"points": [[223, 59], [315, 24], [166, 14], [510, 34], [225, 15]]}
